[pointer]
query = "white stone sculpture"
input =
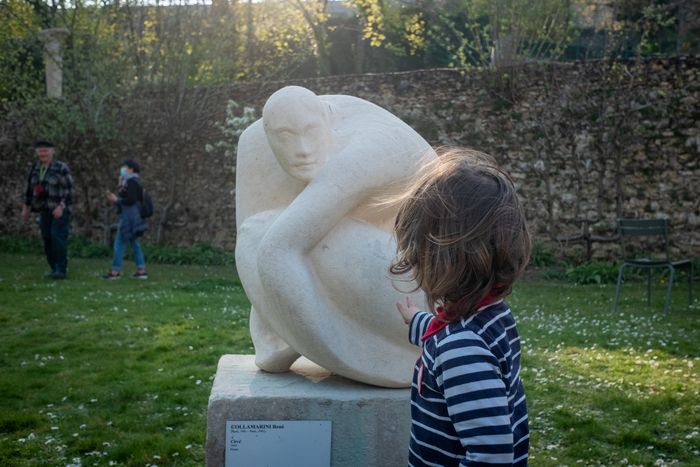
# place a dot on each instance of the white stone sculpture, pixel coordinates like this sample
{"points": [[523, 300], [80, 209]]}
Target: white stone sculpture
{"points": [[314, 243]]}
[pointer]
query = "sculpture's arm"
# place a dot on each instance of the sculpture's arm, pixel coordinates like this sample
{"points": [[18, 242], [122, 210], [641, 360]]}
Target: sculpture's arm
{"points": [[283, 262], [348, 180], [315, 211], [366, 166]]}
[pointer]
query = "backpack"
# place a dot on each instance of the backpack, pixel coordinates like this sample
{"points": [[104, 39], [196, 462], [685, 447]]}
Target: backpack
{"points": [[146, 205], [146, 202]]}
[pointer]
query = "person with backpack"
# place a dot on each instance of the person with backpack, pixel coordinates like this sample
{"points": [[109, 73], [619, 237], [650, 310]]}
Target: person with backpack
{"points": [[129, 201]]}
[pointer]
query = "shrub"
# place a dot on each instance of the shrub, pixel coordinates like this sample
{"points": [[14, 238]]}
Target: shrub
{"points": [[82, 247], [200, 253], [19, 245], [542, 255], [596, 272]]}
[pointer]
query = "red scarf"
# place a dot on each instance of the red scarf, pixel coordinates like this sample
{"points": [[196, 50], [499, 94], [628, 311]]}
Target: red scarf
{"points": [[440, 322]]}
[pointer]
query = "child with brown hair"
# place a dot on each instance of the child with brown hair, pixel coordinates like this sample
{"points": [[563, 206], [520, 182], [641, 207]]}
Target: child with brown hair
{"points": [[462, 236]]}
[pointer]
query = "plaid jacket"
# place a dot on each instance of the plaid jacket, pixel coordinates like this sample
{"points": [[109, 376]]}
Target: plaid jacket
{"points": [[57, 186]]}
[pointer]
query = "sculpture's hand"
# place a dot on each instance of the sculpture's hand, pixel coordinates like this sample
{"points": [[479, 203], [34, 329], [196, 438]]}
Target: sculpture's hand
{"points": [[407, 310]]}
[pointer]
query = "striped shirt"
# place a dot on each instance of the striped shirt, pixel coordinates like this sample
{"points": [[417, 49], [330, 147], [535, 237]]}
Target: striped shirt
{"points": [[467, 401]]}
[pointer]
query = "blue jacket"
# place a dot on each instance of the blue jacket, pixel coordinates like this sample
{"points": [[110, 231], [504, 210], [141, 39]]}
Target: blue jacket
{"points": [[130, 223]]}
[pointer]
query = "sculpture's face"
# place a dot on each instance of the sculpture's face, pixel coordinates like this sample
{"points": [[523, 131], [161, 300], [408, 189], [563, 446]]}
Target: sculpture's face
{"points": [[300, 138]]}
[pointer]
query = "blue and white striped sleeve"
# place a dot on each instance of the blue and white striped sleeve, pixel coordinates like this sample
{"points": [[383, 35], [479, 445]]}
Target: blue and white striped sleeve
{"points": [[468, 375], [418, 326]]}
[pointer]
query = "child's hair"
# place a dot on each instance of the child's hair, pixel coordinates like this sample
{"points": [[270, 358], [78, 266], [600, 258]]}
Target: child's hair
{"points": [[461, 232]]}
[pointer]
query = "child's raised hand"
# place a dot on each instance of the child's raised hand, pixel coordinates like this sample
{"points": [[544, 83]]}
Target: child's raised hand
{"points": [[407, 309]]}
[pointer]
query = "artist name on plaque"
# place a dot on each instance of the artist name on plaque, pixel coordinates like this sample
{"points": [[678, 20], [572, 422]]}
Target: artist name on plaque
{"points": [[265, 426], [249, 443]]}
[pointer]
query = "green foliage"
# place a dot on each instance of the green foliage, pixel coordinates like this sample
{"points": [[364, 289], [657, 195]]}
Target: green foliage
{"points": [[118, 46], [199, 253], [554, 268], [595, 272], [282, 39], [476, 33], [455, 38], [21, 66], [80, 247], [605, 272], [542, 255], [20, 245], [372, 19], [415, 33], [75, 126], [532, 30], [232, 129]]}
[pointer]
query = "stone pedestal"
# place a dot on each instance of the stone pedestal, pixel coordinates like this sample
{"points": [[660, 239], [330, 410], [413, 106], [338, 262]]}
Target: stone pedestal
{"points": [[370, 425]]}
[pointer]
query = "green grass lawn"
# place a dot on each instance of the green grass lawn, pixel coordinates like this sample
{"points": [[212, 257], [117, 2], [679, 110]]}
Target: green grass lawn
{"points": [[98, 372], [112, 371], [610, 388]]}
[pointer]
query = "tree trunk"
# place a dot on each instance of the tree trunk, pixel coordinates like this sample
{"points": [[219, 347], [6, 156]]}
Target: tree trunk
{"points": [[250, 34], [318, 27], [359, 52]]}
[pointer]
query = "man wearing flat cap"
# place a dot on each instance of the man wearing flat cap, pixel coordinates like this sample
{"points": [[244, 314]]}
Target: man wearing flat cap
{"points": [[50, 193]]}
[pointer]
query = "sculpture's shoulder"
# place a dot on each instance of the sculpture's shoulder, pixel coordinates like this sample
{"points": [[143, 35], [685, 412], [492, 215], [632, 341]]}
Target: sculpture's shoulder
{"points": [[254, 153], [252, 139], [348, 106], [356, 119], [344, 99], [261, 183]]}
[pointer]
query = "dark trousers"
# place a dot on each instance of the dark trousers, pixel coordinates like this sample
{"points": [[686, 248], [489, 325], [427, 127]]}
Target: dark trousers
{"points": [[54, 233]]}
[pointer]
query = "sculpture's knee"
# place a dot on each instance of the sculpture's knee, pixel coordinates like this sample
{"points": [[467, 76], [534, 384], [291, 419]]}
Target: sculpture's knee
{"points": [[275, 361], [271, 352]]}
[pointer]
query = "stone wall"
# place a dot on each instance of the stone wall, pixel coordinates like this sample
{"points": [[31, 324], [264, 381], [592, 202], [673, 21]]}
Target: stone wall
{"points": [[585, 143]]}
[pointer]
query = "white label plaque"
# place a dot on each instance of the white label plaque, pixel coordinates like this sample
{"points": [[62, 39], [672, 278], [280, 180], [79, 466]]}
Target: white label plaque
{"points": [[273, 443]]}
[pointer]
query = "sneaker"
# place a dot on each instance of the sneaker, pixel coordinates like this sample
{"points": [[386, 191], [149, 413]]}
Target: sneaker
{"points": [[111, 275], [58, 275], [140, 275]]}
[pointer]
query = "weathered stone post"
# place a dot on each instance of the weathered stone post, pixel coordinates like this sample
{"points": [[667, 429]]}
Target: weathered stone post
{"points": [[504, 53], [53, 60]]}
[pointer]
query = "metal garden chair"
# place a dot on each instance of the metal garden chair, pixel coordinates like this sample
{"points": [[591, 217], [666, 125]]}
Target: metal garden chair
{"points": [[651, 228]]}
